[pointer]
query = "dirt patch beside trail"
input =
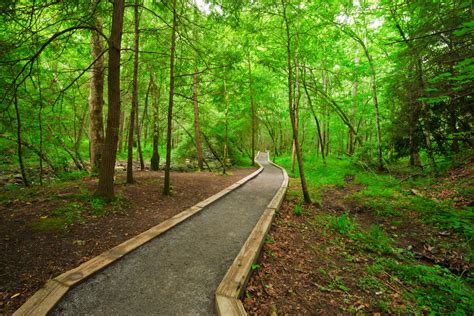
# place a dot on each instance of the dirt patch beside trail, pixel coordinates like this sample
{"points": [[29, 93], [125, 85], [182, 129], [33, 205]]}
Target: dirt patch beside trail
{"points": [[32, 253]]}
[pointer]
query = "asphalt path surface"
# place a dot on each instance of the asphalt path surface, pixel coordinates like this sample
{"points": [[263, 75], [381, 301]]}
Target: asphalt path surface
{"points": [[178, 272]]}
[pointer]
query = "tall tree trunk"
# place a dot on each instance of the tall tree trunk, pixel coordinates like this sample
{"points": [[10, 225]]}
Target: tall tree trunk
{"points": [[40, 123], [197, 127], [105, 188], [325, 110], [376, 104], [156, 94], [293, 156], [77, 140], [134, 109], [355, 86], [143, 127], [166, 187], [252, 109], [226, 98], [121, 131], [19, 140], [304, 186], [96, 100], [139, 143], [318, 127]]}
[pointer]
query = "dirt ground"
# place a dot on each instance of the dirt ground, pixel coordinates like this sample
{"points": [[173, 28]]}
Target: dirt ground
{"points": [[33, 252]]}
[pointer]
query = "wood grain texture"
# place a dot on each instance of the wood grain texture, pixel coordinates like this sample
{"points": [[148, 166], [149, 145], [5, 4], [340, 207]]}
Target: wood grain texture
{"points": [[229, 306], [43, 300]]}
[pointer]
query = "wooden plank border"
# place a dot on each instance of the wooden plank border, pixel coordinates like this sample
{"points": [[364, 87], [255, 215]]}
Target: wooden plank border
{"points": [[232, 286], [45, 299]]}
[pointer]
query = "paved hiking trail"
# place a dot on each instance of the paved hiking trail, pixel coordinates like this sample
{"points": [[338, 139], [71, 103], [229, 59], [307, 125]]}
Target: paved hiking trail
{"points": [[178, 272]]}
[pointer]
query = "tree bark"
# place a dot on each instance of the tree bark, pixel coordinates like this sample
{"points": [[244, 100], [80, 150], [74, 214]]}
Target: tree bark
{"points": [[105, 188], [155, 157], [226, 125], [166, 187], [304, 186], [355, 86], [376, 105], [19, 141], [252, 109], [197, 127], [139, 142], [134, 110], [40, 123], [121, 131], [318, 127], [96, 100]]}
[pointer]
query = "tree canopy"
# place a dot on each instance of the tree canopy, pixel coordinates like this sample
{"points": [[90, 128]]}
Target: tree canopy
{"points": [[214, 81]]}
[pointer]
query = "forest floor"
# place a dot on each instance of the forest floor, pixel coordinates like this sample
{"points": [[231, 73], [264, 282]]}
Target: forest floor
{"points": [[45, 231], [372, 243]]}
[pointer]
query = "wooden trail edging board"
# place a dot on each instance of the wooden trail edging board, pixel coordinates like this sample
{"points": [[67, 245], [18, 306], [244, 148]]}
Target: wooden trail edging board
{"points": [[231, 288], [45, 299]]}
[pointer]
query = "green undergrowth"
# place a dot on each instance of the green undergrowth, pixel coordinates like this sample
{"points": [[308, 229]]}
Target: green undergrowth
{"points": [[426, 288], [77, 209], [432, 289], [388, 194]]}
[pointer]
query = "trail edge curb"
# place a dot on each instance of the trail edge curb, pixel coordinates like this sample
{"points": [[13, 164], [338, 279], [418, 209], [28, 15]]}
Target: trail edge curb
{"points": [[232, 286]]}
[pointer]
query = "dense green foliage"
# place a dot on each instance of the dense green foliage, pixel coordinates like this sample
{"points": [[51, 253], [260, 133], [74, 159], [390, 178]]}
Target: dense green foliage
{"points": [[414, 57]]}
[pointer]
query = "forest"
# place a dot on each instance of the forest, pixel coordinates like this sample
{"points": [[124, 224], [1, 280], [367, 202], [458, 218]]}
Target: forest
{"points": [[109, 106]]}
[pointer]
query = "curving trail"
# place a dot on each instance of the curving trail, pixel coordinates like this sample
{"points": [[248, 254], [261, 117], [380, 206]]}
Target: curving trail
{"points": [[178, 272]]}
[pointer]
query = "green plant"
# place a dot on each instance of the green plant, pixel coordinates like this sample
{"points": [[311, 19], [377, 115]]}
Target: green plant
{"points": [[70, 212], [298, 210], [343, 224], [97, 205], [48, 223], [255, 266], [377, 241]]}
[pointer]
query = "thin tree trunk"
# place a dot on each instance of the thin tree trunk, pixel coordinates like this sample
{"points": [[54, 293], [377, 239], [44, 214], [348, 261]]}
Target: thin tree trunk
{"points": [[19, 141], [213, 151], [293, 156], [355, 86], [143, 126], [376, 105], [318, 127], [252, 109], [166, 187], [139, 143], [134, 109], [96, 100], [77, 141], [304, 186], [156, 93], [105, 188], [226, 98], [40, 123], [197, 127], [121, 131], [325, 129]]}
